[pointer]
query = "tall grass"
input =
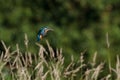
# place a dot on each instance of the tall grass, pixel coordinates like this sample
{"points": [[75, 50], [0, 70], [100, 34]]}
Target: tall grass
{"points": [[50, 65]]}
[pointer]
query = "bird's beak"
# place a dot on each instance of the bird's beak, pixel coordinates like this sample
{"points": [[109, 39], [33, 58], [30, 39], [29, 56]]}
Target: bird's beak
{"points": [[49, 30]]}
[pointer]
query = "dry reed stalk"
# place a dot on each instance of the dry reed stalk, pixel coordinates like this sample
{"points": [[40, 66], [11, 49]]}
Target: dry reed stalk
{"points": [[28, 66], [107, 40], [117, 70]]}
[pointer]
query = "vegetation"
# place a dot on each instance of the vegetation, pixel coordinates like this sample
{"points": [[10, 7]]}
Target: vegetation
{"points": [[88, 26], [50, 65]]}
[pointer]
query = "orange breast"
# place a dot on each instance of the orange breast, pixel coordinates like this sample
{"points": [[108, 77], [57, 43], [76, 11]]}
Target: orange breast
{"points": [[41, 36]]}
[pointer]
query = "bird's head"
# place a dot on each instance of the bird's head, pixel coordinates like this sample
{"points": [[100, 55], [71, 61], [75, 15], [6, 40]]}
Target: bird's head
{"points": [[47, 29]]}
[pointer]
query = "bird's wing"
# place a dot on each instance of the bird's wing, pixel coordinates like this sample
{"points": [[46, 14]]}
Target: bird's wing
{"points": [[43, 32]]}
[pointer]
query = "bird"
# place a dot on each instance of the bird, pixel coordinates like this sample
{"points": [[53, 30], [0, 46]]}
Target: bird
{"points": [[43, 32]]}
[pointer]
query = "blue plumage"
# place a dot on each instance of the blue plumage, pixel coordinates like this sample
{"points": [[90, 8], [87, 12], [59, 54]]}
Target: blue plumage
{"points": [[42, 32]]}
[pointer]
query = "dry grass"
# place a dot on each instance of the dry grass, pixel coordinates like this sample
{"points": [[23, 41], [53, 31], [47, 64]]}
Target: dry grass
{"points": [[26, 66]]}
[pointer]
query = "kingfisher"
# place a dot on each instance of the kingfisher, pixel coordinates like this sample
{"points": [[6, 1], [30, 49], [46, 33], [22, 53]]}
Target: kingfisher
{"points": [[43, 32]]}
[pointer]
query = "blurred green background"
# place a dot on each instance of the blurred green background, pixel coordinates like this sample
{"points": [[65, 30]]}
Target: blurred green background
{"points": [[79, 25]]}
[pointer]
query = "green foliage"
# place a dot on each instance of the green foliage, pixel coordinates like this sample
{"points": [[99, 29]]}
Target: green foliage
{"points": [[79, 25]]}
